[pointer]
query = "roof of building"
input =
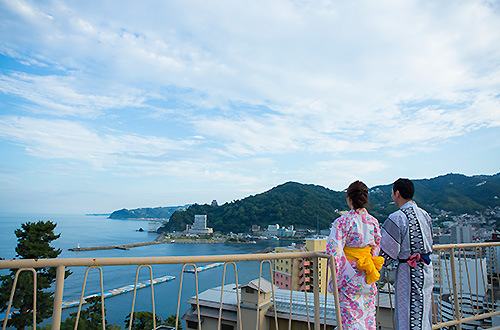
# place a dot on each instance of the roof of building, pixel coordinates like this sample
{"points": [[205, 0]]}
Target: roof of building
{"points": [[302, 304], [265, 285]]}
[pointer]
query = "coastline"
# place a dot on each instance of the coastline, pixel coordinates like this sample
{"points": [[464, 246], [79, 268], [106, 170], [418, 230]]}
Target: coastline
{"points": [[110, 247], [157, 241]]}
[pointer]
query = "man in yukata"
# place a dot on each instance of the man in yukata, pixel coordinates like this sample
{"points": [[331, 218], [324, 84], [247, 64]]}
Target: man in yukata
{"points": [[407, 238]]}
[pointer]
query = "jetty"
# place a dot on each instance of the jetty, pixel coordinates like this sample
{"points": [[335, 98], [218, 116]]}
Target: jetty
{"points": [[108, 293], [111, 247], [117, 291], [204, 268]]}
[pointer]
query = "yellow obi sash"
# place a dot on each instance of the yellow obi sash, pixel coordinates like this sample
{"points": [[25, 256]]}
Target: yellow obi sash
{"points": [[365, 261]]}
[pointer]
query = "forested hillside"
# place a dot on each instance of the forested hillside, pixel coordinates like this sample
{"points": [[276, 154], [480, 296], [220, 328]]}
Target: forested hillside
{"points": [[313, 206], [147, 212], [304, 206], [455, 193]]}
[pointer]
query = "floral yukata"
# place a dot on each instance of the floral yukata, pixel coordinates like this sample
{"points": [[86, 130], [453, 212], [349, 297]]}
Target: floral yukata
{"points": [[357, 297]]}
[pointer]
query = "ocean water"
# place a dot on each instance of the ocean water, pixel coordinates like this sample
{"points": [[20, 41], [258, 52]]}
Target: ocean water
{"points": [[98, 230]]}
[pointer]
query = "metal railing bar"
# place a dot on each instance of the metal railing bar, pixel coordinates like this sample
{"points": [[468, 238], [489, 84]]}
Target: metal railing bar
{"points": [[272, 291], [14, 285], [292, 264], [463, 245], [237, 295], [135, 295], [305, 297], [198, 309], [273, 297], [453, 252], [476, 250], [58, 297], [326, 297], [485, 286], [461, 305], [132, 261], [491, 283], [455, 288], [335, 291], [317, 325], [465, 320], [83, 292]]}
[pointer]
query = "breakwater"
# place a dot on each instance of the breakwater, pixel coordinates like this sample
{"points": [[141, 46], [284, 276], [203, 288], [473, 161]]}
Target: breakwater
{"points": [[117, 291], [111, 247]]}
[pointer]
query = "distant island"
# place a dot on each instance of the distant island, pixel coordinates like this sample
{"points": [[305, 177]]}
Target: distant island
{"points": [[157, 213], [96, 214], [315, 207]]}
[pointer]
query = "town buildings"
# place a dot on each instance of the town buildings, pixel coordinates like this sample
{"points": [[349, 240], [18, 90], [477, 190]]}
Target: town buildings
{"points": [[267, 307], [299, 275]]}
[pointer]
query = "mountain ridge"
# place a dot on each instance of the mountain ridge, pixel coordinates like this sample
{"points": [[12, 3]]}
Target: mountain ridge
{"points": [[315, 206]]}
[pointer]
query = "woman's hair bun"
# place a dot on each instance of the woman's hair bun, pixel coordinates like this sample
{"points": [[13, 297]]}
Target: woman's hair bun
{"points": [[358, 193]]}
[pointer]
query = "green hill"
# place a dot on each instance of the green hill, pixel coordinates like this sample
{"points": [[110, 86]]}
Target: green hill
{"points": [[292, 203], [455, 193], [147, 212], [312, 206]]}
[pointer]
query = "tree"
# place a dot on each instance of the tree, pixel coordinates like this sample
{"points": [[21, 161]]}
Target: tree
{"points": [[90, 317], [144, 321], [33, 242], [171, 322]]}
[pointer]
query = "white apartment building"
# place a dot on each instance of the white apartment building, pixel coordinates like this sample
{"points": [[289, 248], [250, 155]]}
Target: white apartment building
{"points": [[471, 275], [200, 225], [472, 285], [461, 234]]}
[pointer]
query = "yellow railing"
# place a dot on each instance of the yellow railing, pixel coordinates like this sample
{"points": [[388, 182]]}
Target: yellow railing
{"points": [[62, 264], [466, 278], [466, 284]]}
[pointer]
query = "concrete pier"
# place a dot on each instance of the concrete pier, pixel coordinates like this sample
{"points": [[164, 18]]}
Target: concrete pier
{"points": [[110, 247]]}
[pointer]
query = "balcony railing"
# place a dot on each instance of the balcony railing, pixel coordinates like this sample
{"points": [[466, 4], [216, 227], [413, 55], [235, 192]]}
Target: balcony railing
{"points": [[466, 277]]}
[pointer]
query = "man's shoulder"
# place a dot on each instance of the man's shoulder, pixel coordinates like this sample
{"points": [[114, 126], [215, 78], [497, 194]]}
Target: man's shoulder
{"points": [[396, 216], [424, 212], [397, 213]]}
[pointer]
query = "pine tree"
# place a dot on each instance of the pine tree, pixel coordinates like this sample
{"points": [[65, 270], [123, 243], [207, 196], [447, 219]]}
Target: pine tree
{"points": [[33, 243], [90, 317]]}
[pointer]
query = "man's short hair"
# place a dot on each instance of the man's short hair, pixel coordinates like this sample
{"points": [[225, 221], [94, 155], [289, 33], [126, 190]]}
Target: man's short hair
{"points": [[405, 188]]}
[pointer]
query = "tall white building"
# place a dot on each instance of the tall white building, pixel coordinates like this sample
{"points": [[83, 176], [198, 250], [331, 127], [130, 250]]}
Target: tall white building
{"points": [[461, 234], [471, 275], [272, 230], [200, 225]]}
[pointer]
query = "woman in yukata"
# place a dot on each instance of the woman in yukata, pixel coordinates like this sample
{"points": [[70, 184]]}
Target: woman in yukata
{"points": [[354, 242]]}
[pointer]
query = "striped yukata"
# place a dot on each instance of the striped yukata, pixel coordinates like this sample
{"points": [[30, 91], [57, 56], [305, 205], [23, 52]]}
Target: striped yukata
{"points": [[407, 238]]}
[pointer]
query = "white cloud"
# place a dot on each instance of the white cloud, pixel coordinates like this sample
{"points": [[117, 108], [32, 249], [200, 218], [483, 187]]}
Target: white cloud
{"points": [[63, 139], [59, 95], [340, 172], [267, 80]]}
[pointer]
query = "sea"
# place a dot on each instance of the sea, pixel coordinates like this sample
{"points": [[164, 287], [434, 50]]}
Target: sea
{"points": [[86, 230]]}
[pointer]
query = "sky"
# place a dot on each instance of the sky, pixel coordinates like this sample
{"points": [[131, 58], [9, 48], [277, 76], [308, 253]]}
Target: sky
{"points": [[125, 104]]}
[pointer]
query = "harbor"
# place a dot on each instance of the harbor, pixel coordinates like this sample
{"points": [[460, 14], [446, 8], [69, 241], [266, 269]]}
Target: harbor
{"points": [[109, 293], [117, 291]]}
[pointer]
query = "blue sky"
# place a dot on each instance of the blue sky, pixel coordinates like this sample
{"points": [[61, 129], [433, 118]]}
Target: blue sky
{"points": [[123, 104]]}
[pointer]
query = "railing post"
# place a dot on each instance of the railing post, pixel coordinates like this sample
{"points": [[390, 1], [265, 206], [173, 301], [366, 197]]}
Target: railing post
{"points": [[455, 288], [317, 325], [58, 298]]}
